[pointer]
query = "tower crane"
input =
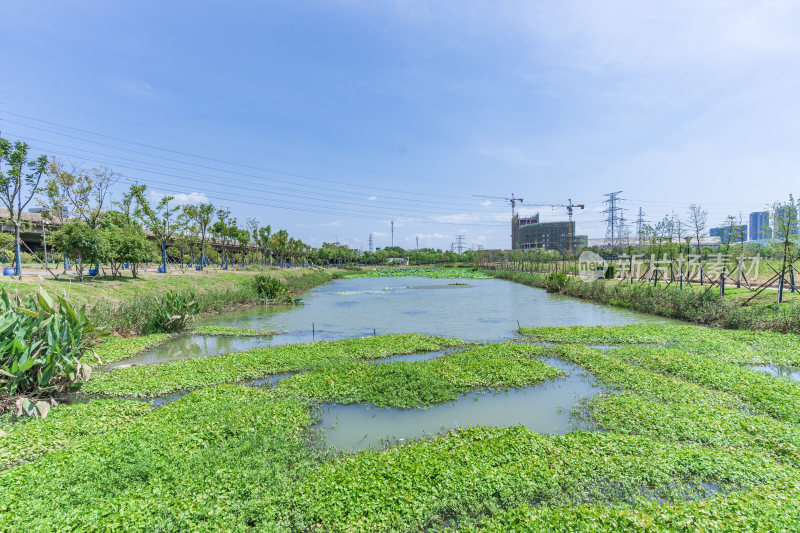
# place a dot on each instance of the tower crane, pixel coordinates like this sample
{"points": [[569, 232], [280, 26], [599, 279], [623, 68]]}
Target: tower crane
{"points": [[570, 207], [513, 201]]}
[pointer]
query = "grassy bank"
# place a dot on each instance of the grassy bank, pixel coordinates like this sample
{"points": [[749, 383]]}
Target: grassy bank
{"points": [[702, 305], [125, 304]]}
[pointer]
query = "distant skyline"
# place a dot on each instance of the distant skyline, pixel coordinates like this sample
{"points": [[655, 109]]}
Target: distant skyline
{"points": [[330, 119]]}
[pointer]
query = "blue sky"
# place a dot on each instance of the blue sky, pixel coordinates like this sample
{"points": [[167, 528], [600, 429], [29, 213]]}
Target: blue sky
{"points": [[331, 118]]}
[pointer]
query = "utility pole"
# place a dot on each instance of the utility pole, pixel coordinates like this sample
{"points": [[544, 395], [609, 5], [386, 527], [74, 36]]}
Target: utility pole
{"points": [[417, 243], [614, 219], [393, 232], [460, 243]]}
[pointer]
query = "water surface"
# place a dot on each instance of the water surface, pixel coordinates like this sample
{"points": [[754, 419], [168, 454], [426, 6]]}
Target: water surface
{"points": [[481, 310], [544, 408]]}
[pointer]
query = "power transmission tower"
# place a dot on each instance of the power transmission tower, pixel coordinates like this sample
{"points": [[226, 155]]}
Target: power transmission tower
{"points": [[370, 242], [640, 226], [392, 232], [614, 219], [460, 243], [418, 243]]}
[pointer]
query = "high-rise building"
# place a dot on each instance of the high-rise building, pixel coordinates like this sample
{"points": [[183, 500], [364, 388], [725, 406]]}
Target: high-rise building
{"points": [[729, 233], [759, 226]]}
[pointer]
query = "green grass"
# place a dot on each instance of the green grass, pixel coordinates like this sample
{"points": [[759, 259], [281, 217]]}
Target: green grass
{"points": [[233, 332], [124, 304], [694, 304], [166, 378], [414, 384]]}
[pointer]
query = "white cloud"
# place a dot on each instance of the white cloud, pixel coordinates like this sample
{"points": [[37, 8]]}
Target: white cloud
{"points": [[372, 198], [333, 224], [193, 198], [486, 202], [379, 234]]}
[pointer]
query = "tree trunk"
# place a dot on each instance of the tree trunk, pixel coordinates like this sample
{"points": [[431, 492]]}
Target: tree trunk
{"points": [[17, 251]]}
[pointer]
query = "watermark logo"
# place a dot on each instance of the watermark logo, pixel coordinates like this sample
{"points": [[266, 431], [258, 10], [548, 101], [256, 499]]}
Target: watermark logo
{"points": [[591, 266]]}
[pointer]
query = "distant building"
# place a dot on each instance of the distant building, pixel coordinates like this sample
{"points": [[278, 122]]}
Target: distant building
{"points": [[529, 233], [759, 226], [729, 233]]}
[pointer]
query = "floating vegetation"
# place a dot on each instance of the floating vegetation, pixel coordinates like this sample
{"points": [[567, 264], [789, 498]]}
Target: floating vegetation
{"points": [[234, 332], [166, 378]]}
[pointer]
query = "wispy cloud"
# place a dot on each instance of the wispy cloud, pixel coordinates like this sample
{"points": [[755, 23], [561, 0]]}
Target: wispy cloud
{"points": [[180, 198], [372, 198], [131, 87]]}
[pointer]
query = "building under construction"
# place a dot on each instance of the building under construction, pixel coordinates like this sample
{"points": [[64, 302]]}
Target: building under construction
{"points": [[528, 233]]}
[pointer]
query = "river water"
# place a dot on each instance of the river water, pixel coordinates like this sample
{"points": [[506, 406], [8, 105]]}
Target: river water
{"points": [[479, 310], [486, 310]]}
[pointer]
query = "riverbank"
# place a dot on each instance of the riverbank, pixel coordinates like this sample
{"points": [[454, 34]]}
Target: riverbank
{"points": [[121, 305], [700, 305]]}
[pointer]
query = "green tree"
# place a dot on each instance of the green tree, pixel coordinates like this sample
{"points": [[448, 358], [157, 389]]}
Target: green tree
{"points": [[17, 187], [132, 246], [263, 241], [697, 221], [199, 219], [77, 193], [160, 219], [784, 224], [79, 240]]}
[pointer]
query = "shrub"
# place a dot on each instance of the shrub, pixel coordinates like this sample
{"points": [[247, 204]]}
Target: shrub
{"points": [[41, 344], [556, 281], [172, 312], [269, 288]]}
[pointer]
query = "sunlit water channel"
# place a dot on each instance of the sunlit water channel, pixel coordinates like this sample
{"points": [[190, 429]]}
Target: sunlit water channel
{"points": [[485, 310]]}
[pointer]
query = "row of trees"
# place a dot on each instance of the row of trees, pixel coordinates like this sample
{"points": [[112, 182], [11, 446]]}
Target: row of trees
{"points": [[94, 231]]}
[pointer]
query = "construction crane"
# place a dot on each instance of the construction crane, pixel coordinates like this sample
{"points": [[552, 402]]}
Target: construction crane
{"points": [[513, 201], [570, 207]]}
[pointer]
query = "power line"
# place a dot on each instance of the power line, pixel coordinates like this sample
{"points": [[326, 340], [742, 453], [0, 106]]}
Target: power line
{"points": [[197, 156], [366, 214]]}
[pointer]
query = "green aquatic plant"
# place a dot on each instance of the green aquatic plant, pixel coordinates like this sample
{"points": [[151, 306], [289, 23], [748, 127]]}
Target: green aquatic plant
{"points": [[226, 331], [166, 378], [408, 384], [42, 342]]}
